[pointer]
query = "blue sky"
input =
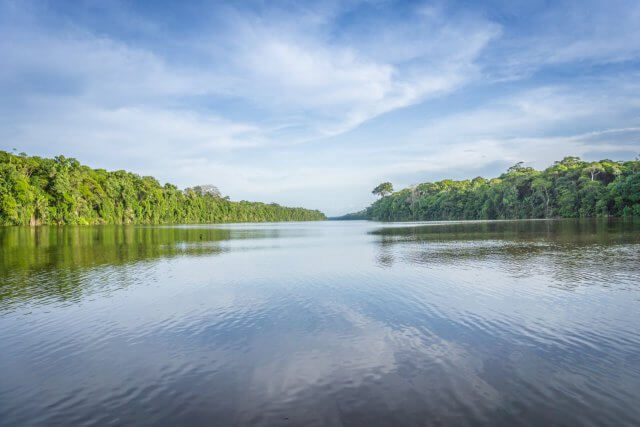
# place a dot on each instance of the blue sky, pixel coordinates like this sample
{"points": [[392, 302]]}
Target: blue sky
{"points": [[314, 104]]}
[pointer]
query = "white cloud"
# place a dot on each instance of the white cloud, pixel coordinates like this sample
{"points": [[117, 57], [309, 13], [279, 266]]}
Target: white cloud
{"points": [[334, 84], [561, 34], [302, 81], [536, 126], [143, 140], [231, 103]]}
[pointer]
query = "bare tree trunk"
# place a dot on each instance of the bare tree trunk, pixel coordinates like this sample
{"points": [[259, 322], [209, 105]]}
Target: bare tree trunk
{"points": [[546, 204]]}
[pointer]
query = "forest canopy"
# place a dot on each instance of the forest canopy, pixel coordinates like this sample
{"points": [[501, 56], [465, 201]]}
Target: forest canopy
{"points": [[36, 190], [570, 188]]}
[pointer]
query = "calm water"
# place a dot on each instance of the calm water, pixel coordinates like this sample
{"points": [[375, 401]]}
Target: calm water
{"points": [[334, 323]]}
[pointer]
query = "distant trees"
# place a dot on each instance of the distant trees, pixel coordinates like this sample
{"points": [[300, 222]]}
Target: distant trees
{"points": [[36, 190], [206, 189], [568, 188], [383, 189]]}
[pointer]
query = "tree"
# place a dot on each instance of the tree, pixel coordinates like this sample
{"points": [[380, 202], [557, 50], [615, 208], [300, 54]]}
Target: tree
{"points": [[383, 189], [569, 188], [542, 186], [211, 190], [37, 191], [205, 189], [516, 168], [594, 169]]}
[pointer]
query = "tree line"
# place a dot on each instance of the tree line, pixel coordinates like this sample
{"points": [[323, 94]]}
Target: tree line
{"points": [[570, 188], [35, 190]]}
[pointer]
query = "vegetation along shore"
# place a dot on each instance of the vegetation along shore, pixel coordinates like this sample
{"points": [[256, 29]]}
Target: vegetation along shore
{"points": [[37, 191], [570, 188]]}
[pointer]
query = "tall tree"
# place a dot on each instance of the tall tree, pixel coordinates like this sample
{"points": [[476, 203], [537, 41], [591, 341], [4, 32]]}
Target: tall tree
{"points": [[383, 189]]}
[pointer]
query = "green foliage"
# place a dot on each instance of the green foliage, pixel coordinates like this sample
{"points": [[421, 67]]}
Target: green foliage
{"points": [[383, 189], [569, 188], [35, 190], [352, 216]]}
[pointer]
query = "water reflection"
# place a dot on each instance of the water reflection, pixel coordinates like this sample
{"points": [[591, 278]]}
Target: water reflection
{"points": [[569, 231], [321, 324], [46, 262], [563, 250], [36, 248]]}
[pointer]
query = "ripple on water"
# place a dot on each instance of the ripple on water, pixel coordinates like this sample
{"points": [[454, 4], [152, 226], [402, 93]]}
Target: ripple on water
{"points": [[323, 324]]}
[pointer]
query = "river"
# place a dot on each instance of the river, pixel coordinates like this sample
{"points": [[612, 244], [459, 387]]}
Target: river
{"points": [[322, 323]]}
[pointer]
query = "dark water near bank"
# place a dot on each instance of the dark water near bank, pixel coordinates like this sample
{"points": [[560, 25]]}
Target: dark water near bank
{"points": [[335, 323]]}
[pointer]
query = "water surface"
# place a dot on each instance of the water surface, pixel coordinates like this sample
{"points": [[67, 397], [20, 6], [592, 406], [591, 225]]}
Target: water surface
{"points": [[332, 323]]}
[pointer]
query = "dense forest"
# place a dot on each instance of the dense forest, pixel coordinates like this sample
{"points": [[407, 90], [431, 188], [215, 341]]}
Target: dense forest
{"points": [[569, 188], [36, 191]]}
